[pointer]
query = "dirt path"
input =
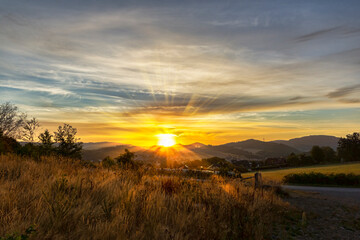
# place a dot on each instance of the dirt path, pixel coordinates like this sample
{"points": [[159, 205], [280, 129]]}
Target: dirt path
{"points": [[350, 195], [329, 213]]}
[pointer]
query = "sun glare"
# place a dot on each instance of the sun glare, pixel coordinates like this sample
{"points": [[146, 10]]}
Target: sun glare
{"points": [[166, 140]]}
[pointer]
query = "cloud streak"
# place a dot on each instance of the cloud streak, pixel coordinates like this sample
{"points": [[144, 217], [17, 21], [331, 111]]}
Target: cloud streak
{"points": [[147, 61]]}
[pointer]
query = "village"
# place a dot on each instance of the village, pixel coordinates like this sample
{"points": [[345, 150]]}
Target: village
{"points": [[221, 166]]}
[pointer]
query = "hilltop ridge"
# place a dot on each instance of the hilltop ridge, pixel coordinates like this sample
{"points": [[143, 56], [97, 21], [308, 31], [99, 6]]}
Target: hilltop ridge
{"points": [[250, 149]]}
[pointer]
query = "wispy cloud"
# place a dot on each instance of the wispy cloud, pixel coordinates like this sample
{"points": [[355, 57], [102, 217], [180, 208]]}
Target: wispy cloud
{"points": [[344, 91], [147, 61]]}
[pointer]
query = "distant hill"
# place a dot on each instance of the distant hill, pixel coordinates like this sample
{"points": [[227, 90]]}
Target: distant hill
{"points": [[260, 149], [244, 150], [250, 149], [100, 153], [152, 154], [206, 151], [305, 144], [97, 145]]}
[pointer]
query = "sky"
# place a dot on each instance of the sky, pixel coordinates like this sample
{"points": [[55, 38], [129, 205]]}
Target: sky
{"points": [[205, 71]]}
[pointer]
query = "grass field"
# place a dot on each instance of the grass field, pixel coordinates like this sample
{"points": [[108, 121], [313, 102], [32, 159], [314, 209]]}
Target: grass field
{"points": [[60, 198], [278, 174]]}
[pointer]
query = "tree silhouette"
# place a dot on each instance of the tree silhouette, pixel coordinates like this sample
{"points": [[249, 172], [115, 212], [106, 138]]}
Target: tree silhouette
{"points": [[329, 154], [293, 160], [46, 142], [68, 143], [11, 120], [317, 154], [349, 147], [29, 129], [126, 159]]}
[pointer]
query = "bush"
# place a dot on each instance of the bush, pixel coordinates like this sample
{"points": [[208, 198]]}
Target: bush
{"points": [[108, 162], [126, 160], [24, 236], [313, 178], [8, 144]]}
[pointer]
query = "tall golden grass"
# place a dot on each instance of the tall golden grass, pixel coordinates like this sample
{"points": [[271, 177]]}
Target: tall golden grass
{"points": [[65, 200]]}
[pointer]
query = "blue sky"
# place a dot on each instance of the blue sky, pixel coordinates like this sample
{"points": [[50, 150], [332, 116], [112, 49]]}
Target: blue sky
{"points": [[210, 71]]}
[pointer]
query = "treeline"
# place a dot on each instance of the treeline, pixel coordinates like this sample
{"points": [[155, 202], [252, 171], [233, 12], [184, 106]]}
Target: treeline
{"points": [[317, 155], [15, 125], [348, 150]]}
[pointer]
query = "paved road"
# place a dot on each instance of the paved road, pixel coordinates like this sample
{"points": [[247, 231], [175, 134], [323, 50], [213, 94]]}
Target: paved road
{"points": [[352, 194]]}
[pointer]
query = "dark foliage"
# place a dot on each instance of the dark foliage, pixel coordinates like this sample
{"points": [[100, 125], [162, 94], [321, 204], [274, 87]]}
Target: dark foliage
{"points": [[349, 147], [11, 120], [306, 160], [108, 162], [68, 145], [24, 236], [314, 178], [215, 162], [317, 154], [330, 154], [46, 141], [126, 160], [8, 144], [293, 160]]}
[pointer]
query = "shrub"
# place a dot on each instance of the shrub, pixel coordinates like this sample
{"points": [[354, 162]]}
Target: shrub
{"points": [[8, 144], [107, 162], [314, 178], [24, 236], [126, 160], [169, 186]]}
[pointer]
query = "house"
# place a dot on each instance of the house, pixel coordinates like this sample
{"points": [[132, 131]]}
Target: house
{"points": [[184, 168]]}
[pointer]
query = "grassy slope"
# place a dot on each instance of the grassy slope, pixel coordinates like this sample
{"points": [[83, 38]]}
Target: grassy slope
{"points": [[278, 174], [65, 200]]}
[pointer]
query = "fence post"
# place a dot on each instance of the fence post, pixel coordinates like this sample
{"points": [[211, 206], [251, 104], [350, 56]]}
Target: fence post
{"points": [[258, 180]]}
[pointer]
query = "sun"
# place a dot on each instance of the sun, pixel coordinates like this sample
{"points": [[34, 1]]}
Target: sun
{"points": [[166, 140]]}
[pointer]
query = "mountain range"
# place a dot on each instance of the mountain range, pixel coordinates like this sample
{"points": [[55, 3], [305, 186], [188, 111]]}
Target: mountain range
{"points": [[306, 143], [250, 149]]}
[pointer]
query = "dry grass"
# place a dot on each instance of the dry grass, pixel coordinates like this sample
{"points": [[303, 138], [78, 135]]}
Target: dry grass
{"points": [[65, 200], [278, 174]]}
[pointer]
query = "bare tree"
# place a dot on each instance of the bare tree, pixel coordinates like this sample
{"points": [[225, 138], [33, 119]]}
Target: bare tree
{"points": [[29, 129], [11, 120]]}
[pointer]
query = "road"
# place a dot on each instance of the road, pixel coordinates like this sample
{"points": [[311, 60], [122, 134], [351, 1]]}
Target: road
{"points": [[349, 194], [332, 212]]}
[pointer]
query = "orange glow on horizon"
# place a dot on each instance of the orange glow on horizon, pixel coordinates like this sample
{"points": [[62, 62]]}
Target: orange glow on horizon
{"points": [[166, 140]]}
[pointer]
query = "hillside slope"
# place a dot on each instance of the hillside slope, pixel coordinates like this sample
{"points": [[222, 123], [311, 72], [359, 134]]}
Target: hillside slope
{"points": [[244, 150], [306, 143]]}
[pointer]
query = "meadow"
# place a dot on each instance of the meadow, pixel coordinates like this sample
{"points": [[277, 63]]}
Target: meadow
{"points": [[278, 174], [59, 198]]}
